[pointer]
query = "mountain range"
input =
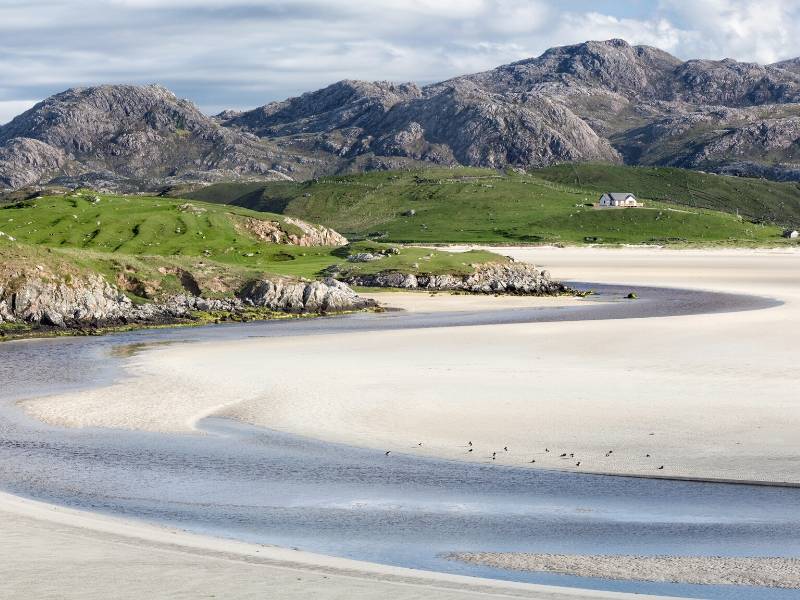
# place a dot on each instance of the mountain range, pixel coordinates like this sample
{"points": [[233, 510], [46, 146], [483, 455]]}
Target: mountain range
{"points": [[605, 101]]}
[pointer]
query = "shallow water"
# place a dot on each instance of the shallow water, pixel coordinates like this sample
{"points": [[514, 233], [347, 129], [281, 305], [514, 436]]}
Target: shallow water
{"points": [[256, 485]]}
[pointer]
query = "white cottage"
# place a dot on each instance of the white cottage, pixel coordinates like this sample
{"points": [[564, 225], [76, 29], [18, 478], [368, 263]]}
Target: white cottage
{"points": [[792, 234], [619, 199]]}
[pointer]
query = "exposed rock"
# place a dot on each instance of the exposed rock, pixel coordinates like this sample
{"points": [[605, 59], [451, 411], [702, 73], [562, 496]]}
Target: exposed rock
{"points": [[362, 257], [275, 232], [487, 278], [328, 295], [128, 137], [40, 297], [595, 101]]}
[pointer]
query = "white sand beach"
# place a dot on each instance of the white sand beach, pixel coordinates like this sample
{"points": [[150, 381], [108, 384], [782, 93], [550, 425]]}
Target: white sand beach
{"points": [[706, 396]]}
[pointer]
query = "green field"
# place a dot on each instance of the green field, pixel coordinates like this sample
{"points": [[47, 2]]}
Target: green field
{"points": [[484, 206], [754, 199], [147, 245]]}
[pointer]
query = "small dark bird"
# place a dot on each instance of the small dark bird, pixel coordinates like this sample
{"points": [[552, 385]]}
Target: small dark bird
{"points": [[388, 452], [469, 443], [661, 467], [578, 464], [610, 451], [470, 450], [533, 460], [571, 455], [420, 444], [493, 455], [547, 449], [563, 455], [647, 456], [505, 448]]}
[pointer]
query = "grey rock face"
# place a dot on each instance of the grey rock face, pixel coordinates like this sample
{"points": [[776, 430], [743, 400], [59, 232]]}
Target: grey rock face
{"points": [[596, 101], [489, 278], [43, 298], [138, 134], [328, 295]]}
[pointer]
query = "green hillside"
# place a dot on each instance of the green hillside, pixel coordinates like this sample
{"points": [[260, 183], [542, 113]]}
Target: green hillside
{"points": [[484, 206], [754, 199], [145, 243]]}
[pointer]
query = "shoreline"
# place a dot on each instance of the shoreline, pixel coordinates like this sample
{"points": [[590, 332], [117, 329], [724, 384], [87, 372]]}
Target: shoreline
{"points": [[264, 565]]}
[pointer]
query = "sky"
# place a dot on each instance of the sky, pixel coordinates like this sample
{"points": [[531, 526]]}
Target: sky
{"points": [[245, 53]]}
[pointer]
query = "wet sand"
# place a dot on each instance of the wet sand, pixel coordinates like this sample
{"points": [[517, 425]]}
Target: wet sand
{"points": [[53, 552], [705, 396], [704, 570]]}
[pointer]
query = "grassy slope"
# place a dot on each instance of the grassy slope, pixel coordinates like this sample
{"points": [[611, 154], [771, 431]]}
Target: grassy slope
{"points": [[473, 205], [144, 243], [757, 199]]}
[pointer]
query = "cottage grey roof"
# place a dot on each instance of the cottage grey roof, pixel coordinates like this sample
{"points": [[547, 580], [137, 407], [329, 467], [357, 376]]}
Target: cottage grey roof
{"points": [[619, 196]]}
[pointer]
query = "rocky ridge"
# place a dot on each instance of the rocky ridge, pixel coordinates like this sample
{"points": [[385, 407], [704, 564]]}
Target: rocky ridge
{"points": [[596, 101]]}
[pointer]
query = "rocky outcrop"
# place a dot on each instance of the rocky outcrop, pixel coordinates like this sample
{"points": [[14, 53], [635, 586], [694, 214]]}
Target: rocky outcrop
{"points": [[307, 235], [39, 297], [488, 278], [129, 137], [328, 295]]}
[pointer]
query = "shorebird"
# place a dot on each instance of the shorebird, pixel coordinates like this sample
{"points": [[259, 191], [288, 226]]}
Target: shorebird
{"points": [[571, 455], [505, 448], [388, 452], [470, 450], [578, 464], [647, 456], [469, 443], [563, 455], [547, 449], [533, 460], [420, 444], [494, 454], [661, 467]]}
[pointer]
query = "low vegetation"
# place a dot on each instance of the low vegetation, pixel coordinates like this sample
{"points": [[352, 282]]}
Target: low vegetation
{"points": [[757, 200], [484, 206], [157, 247]]}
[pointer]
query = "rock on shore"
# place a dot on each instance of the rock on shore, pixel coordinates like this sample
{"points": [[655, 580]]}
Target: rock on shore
{"points": [[39, 297], [488, 278]]}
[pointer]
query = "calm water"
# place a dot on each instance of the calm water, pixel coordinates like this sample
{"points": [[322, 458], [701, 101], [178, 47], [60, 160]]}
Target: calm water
{"points": [[256, 485]]}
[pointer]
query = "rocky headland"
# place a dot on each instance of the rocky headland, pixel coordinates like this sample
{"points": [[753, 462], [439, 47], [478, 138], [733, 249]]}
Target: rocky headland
{"points": [[41, 298]]}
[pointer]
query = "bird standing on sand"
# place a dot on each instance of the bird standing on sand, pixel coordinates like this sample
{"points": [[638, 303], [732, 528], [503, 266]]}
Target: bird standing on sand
{"points": [[547, 449], [388, 452], [661, 467], [494, 455], [533, 460], [469, 443], [505, 448], [578, 464], [564, 455], [470, 450]]}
